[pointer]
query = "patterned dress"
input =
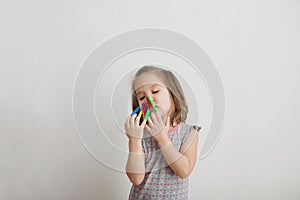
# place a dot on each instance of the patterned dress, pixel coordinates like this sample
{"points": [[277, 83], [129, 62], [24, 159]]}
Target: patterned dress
{"points": [[160, 181]]}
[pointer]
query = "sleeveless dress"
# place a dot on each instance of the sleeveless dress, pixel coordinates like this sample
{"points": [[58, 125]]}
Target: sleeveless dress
{"points": [[160, 181]]}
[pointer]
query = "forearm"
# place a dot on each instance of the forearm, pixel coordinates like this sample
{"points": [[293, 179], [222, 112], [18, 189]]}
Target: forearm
{"points": [[135, 167], [178, 162]]}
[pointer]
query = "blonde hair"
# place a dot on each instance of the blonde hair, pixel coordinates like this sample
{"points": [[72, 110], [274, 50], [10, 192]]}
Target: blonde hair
{"points": [[179, 105]]}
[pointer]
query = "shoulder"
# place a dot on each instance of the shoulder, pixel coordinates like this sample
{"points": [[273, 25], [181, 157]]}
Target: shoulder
{"points": [[187, 127], [188, 130]]}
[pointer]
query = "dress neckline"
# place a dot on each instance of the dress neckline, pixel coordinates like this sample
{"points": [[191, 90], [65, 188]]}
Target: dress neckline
{"points": [[174, 128]]}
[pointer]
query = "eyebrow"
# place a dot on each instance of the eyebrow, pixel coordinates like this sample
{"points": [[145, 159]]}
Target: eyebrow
{"points": [[151, 87]]}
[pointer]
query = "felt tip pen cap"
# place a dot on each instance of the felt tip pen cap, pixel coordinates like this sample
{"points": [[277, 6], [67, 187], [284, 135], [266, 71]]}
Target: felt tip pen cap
{"points": [[152, 104], [140, 114], [144, 109], [135, 111], [149, 105], [147, 114]]}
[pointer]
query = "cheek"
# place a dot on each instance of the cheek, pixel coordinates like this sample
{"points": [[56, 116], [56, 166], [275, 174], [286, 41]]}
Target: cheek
{"points": [[162, 97], [166, 99]]}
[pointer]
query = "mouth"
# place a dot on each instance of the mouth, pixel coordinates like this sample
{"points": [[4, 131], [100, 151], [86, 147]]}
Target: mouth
{"points": [[160, 110]]}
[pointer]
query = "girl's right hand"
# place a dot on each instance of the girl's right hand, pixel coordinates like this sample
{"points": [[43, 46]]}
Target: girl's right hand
{"points": [[132, 127]]}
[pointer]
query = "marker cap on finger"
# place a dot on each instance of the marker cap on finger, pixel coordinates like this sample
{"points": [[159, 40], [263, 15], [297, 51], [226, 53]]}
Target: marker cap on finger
{"points": [[144, 109], [152, 104], [135, 111], [149, 105], [140, 113], [147, 114]]}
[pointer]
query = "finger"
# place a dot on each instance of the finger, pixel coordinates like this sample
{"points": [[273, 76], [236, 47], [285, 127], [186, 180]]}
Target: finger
{"points": [[159, 118], [150, 122], [153, 118], [132, 119], [137, 120], [143, 124], [148, 128]]}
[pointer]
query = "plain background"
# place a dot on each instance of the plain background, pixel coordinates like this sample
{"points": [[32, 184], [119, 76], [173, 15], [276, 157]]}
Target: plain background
{"points": [[255, 46]]}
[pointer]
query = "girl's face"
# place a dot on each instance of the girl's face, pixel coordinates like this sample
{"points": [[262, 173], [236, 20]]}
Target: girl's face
{"points": [[148, 84]]}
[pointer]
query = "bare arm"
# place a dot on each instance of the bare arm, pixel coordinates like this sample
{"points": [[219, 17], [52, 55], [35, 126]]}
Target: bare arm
{"points": [[181, 162], [135, 167]]}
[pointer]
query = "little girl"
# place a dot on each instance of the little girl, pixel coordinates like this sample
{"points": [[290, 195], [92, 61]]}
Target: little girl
{"points": [[162, 149]]}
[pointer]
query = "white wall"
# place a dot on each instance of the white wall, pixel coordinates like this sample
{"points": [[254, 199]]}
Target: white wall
{"points": [[255, 46]]}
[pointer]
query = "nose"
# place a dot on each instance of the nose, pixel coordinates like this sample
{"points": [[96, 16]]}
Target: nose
{"points": [[152, 99], [149, 96], [146, 100]]}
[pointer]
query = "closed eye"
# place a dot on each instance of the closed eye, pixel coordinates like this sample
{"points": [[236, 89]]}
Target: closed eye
{"points": [[154, 92]]}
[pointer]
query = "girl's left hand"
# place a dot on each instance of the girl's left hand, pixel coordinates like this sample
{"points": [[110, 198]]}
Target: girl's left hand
{"points": [[158, 127]]}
